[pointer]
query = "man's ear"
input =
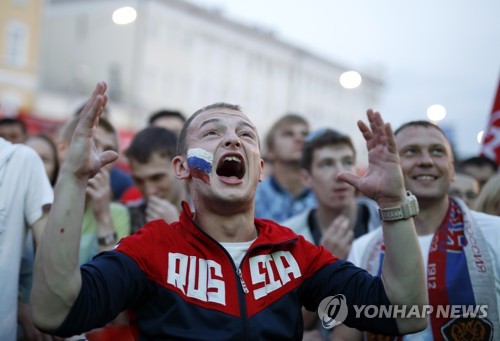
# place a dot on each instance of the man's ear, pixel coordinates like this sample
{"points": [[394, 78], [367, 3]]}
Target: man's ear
{"points": [[62, 148], [181, 168], [261, 170], [305, 178]]}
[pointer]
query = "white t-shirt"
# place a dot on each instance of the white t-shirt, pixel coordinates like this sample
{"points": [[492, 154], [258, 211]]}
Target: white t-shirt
{"points": [[24, 190], [237, 251], [490, 228]]}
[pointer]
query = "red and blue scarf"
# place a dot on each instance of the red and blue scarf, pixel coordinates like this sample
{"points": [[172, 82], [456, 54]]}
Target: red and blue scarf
{"points": [[459, 272]]}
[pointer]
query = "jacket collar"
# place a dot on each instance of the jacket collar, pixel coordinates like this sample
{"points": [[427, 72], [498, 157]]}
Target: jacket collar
{"points": [[269, 232]]}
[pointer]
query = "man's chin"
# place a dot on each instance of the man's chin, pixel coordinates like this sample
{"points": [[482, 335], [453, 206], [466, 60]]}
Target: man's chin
{"points": [[292, 162], [231, 200]]}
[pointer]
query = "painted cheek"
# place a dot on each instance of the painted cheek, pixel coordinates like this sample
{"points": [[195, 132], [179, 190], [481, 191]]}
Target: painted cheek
{"points": [[200, 164]]}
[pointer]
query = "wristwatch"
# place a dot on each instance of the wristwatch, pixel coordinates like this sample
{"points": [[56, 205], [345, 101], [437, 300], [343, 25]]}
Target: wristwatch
{"points": [[108, 239], [405, 211]]}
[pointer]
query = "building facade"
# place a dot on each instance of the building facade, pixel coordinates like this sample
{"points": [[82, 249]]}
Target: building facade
{"points": [[181, 56], [20, 26]]}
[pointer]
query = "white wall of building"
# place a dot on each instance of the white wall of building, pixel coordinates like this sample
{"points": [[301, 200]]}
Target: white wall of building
{"points": [[179, 56]]}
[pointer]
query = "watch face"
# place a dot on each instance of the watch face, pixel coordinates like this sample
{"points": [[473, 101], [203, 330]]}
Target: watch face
{"points": [[107, 240], [405, 211]]}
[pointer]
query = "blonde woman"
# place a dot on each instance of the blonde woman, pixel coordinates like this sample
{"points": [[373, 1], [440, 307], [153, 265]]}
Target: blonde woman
{"points": [[488, 200]]}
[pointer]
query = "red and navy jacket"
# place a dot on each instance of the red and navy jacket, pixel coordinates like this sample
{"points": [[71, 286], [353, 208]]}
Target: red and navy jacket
{"points": [[183, 285]]}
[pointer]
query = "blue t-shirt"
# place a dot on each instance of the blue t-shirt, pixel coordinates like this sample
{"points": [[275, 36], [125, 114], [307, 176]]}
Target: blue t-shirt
{"points": [[275, 203]]}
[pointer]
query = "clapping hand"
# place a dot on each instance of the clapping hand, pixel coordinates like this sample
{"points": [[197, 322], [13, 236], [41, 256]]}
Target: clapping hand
{"points": [[83, 159], [383, 180]]}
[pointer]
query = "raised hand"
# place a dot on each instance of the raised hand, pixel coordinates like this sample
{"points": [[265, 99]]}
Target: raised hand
{"points": [[338, 237], [57, 279], [99, 190], [383, 180], [403, 271], [158, 208], [82, 159]]}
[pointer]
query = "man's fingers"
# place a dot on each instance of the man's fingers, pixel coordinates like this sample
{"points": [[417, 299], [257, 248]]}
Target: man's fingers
{"points": [[94, 106], [153, 209], [91, 192], [347, 238], [365, 130], [337, 229], [153, 199], [97, 108], [341, 224], [151, 214], [90, 101], [391, 139], [159, 208], [107, 157], [92, 184], [350, 178]]}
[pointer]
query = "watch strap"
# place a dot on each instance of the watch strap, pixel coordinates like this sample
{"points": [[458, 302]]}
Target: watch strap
{"points": [[108, 239], [405, 211]]}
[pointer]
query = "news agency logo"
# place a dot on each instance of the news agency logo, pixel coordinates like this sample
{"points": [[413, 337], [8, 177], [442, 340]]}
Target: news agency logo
{"points": [[332, 311]]}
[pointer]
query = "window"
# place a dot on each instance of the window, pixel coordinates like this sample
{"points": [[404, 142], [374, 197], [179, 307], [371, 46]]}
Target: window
{"points": [[20, 2], [114, 81], [82, 27], [16, 43]]}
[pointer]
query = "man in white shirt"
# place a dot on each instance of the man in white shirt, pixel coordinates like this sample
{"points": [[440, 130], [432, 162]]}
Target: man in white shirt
{"points": [[459, 246], [25, 197]]}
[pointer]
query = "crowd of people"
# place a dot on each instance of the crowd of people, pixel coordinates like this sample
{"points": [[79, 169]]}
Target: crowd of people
{"points": [[199, 238]]}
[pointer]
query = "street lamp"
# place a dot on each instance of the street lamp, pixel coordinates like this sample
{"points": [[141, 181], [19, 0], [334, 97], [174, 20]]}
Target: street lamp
{"points": [[124, 15], [350, 79], [436, 112]]}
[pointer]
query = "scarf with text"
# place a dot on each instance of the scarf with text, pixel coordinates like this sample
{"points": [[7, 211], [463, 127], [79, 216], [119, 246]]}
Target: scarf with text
{"points": [[460, 279]]}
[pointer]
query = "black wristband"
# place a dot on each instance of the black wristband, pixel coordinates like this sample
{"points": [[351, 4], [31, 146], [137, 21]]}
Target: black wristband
{"points": [[108, 239]]}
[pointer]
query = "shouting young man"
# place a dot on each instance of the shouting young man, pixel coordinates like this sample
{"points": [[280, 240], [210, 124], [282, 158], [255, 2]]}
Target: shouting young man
{"points": [[219, 273]]}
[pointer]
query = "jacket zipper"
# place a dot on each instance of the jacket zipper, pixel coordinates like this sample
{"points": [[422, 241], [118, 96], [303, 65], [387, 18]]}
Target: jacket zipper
{"points": [[243, 285], [244, 288]]}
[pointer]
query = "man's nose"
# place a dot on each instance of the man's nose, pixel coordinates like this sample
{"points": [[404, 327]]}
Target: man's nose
{"points": [[232, 140], [336, 169], [299, 136], [150, 189], [426, 159]]}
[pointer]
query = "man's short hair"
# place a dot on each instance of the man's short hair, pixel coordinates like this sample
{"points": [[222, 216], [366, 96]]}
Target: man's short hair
{"points": [[11, 121], [427, 124], [284, 120], [181, 142], [420, 123], [165, 113], [319, 139], [152, 140], [479, 161]]}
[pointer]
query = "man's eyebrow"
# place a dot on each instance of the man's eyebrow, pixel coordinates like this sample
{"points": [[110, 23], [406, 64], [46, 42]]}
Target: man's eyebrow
{"points": [[246, 124], [424, 146], [217, 121], [211, 120]]}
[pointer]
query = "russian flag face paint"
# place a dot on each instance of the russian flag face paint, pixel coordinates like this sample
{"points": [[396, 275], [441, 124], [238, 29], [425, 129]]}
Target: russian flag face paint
{"points": [[200, 164]]}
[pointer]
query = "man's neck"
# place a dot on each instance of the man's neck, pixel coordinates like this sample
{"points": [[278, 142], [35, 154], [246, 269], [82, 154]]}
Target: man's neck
{"points": [[431, 215], [227, 228], [288, 176], [182, 196]]}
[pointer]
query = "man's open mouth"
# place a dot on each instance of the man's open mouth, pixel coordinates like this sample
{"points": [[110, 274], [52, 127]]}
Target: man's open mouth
{"points": [[231, 165]]}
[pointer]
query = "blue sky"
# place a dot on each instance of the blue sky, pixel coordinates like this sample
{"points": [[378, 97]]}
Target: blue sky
{"points": [[429, 52]]}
